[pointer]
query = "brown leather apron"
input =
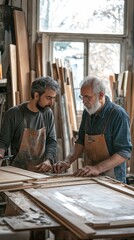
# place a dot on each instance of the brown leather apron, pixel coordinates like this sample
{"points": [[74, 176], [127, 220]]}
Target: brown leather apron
{"points": [[32, 149], [96, 149]]}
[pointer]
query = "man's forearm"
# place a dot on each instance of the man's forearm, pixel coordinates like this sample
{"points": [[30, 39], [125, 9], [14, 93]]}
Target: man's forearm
{"points": [[110, 163], [78, 149]]}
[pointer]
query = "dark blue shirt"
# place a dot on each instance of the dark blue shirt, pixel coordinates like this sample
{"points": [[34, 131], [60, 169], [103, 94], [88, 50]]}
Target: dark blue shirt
{"points": [[117, 132]]}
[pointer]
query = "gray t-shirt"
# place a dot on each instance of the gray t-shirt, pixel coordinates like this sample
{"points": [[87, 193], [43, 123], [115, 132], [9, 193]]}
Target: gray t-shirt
{"points": [[19, 117]]}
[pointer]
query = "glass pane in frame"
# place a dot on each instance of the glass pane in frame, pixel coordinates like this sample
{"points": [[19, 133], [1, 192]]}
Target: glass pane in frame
{"points": [[104, 60], [73, 16]]}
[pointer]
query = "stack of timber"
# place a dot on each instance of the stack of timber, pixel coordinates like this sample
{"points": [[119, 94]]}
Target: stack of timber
{"points": [[122, 91], [64, 109], [122, 87]]}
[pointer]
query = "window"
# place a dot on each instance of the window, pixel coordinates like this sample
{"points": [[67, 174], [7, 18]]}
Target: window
{"points": [[103, 60], [89, 37]]}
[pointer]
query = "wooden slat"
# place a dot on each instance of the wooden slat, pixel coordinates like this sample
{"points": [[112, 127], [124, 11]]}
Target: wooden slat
{"points": [[10, 185], [13, 65], [39, 59], [22, 54], [17, 98], [22, 172], [11, 177], [120, 187], [120, 84]]}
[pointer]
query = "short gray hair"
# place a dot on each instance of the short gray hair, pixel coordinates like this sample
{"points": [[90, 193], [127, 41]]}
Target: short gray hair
{"points": [[41, 84], [97, 84]]}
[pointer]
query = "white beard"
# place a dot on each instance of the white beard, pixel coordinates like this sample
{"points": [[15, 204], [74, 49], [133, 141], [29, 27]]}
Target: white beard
{"points": [[94, 108]]}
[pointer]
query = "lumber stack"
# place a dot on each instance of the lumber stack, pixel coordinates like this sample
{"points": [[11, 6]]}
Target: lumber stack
{"points": [[122, 87]]}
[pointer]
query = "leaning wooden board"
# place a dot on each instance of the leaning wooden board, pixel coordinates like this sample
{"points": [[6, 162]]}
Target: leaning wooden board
{"points": [[13, 66], [22, 55]]}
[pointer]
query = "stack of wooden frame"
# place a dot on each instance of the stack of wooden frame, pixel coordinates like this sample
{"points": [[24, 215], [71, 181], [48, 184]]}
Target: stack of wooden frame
{"points": [[90, 207]]}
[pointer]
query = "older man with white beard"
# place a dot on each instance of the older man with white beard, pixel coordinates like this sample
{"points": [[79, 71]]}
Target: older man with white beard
{"points": [[104, 135]]}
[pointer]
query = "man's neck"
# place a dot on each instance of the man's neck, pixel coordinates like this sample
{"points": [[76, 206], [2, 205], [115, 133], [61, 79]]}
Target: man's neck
{"points": [[32, 106]]}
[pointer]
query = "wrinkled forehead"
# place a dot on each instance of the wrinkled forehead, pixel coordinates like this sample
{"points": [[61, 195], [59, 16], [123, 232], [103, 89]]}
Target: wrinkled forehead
{"points": [[87, 90]]}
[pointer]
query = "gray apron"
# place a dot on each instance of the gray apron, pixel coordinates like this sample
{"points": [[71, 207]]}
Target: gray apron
{"points": [[32, 149], [96, 149]]}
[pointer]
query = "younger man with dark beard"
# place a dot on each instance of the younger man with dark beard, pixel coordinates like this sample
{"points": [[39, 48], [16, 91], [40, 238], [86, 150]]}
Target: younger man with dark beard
{"points": [[29, 129], [104, 135]]}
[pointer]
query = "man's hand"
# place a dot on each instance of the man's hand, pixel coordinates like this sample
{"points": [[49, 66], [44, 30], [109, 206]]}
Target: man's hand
{"points": [[1, 159], [44, 167], [61, 166], [1, 156], [87, 171]]}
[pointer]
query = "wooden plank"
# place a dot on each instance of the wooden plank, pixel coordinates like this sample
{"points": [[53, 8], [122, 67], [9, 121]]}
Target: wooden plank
{"points": [[120, 84], [131, 92], [32, 30], [116, 233], [22, 54], [39, 59], [10, 185], [11, 177], [13, 66], [17, 187], [128, 101], [70, 220], [118, 186], [71, 105], [22, 172], [32, 78], [45, 53], [60, 184]]}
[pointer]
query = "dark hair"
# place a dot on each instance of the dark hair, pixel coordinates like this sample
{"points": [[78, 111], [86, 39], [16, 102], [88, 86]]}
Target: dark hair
{"points": [[41, 84]]}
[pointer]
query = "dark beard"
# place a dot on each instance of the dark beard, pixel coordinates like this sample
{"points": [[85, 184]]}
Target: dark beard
{"points": [[40, 108]]}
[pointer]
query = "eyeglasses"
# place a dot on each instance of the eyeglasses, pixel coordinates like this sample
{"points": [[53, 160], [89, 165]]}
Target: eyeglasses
{"points": [[88, 98]]}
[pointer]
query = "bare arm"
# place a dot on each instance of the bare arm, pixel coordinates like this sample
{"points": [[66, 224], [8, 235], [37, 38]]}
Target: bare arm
{"points": [[101, 167], [110, 163]]}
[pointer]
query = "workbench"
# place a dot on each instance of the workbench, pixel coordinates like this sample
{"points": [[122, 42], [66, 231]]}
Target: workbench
{"points": [[86, 207]]}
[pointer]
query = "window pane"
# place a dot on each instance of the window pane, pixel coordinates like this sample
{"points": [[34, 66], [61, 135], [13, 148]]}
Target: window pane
{"points": [[104, 60], [72, 56], [83, 16]]}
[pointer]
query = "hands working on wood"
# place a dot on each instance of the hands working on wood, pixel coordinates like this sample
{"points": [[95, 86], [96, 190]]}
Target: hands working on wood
{"points": [[87, 171], [43, 167], [61, 166]]}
